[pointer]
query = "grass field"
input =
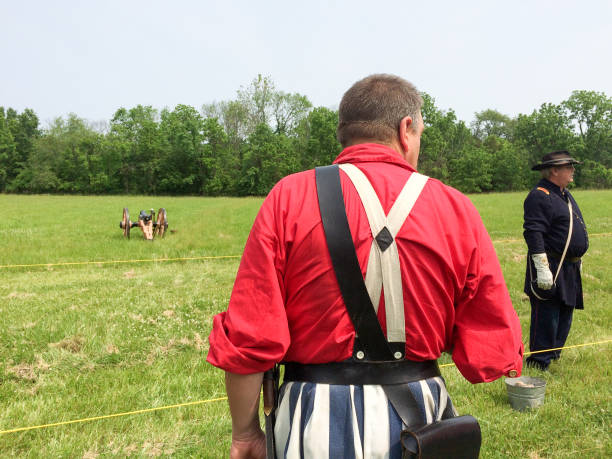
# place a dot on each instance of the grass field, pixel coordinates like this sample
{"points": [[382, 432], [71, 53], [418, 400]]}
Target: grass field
{"points": [[97, 338]]}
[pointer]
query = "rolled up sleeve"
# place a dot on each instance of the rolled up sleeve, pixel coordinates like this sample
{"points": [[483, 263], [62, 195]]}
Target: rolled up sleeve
{"points": [[487, 335], [253, 333]]}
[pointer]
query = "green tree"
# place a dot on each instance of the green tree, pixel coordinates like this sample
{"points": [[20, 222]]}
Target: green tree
{"points": [[317, 144], [509, 165], [8, 152], [289, 110], [61, 159], [267, 159], [472, 171], [232, 116], [595, 175], [258, 99], [444, 139], [223, 168], [182, 168], [134, 134], [592, 114], [492, 123], [545, 130]]}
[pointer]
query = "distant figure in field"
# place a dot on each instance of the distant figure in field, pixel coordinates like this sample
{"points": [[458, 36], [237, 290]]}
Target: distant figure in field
{"points": [[556, 238]]}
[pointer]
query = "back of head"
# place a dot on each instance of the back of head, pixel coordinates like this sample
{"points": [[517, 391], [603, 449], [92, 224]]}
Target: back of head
{"points": [[371, 110]]}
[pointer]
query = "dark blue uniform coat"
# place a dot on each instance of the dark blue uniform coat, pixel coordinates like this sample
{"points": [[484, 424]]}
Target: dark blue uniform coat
{"points": [[545, 230]]}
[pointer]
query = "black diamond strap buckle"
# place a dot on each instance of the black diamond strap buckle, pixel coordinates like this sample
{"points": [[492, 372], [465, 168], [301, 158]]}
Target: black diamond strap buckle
{"points": [[384, 239]]}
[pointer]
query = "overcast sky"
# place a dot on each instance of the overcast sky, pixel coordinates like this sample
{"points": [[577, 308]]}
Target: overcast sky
{"points": [[91, 57]]}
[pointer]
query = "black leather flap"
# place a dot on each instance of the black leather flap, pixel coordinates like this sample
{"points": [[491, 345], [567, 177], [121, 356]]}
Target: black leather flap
{"points": [[458, 437]]}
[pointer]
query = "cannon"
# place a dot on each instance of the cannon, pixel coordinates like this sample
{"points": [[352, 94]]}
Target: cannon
{"points": [[150, 226]]}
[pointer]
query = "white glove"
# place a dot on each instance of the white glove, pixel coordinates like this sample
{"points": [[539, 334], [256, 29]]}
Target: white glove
{"points": [[545, 277]]}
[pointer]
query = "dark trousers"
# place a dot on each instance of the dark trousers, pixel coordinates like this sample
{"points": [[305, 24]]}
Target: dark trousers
{"points": [[550, 325]]}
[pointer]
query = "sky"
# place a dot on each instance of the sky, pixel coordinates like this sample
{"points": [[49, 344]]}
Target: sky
{"points": [[92, 57]]}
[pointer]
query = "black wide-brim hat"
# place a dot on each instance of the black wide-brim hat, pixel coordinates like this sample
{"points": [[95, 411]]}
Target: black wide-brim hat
{"points": [[555, 158]]}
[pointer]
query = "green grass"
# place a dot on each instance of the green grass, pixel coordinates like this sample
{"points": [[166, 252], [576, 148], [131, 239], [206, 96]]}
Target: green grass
{"points": [[79, 341]]}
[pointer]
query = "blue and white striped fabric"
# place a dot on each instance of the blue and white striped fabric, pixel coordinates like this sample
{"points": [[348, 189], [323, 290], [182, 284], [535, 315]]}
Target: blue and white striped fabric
{"points": [[336, 421]]}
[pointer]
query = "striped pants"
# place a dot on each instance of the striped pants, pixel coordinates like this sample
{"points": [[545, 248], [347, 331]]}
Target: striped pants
{"points": [[337, 421]]}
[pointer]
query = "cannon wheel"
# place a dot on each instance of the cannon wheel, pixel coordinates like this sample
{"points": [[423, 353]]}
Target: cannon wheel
{"points": [[162, 222], [126, 224]]}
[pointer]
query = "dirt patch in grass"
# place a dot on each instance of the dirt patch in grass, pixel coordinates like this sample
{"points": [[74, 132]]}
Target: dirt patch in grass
{"points": [[72, 344], [28, 371], [23, 371], [41, 364], [153, 449], [142, 320], [163, 350], [137, 317], [112, 349], [200, 344], [128, 450]]}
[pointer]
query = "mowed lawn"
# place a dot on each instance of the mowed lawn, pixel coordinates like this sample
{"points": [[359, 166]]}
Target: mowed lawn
{"points": [[81, 337]]}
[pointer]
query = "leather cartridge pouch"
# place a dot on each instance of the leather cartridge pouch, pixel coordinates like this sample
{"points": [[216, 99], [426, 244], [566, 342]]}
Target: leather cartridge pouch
{"points": [[454, 437]]}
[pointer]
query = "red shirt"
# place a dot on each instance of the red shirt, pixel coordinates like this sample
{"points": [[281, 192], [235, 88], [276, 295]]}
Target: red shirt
{"points": [[286, 303]]}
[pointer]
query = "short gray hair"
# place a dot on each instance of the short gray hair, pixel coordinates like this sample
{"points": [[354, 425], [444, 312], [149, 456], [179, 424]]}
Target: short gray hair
{"points": [[373, 107], [546, 172]]}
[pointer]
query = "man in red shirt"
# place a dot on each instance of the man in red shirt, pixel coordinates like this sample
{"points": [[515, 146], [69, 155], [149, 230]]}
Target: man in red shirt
{"points": [[286, 304]]}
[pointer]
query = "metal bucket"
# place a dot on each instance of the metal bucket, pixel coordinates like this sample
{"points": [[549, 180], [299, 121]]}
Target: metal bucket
{"points": [[525, 392]]}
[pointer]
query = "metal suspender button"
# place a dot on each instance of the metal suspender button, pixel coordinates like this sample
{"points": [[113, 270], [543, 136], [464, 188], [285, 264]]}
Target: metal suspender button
{"points": [[360, 355], [397, 355]]}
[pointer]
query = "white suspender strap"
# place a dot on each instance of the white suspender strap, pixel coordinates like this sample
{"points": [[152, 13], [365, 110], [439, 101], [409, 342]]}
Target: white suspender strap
{"points": [[569, 237], [383, 270]]}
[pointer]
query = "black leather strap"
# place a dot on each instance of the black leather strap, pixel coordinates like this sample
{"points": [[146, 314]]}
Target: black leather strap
{"points": [[355, 294], [557, 256], [406, 406], [346, 265], [360, 373]]}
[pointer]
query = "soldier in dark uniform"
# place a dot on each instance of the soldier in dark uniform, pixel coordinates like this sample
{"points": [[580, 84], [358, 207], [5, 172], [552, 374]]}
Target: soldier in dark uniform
{"points": [[554, 291]]}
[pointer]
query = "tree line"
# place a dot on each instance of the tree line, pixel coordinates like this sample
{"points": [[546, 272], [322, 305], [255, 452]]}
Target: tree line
{"points": [[244, 146]]}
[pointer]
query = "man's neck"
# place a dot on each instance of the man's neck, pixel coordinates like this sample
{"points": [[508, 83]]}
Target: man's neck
{"points": [[393, 145], [556, 182]]}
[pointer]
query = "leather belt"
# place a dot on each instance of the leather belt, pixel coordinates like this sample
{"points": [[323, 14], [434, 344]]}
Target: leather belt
{"points": [[360, 373], [557, 256]]}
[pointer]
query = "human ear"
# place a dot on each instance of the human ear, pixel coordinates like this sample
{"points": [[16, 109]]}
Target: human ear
{"points": [[404, 131]]}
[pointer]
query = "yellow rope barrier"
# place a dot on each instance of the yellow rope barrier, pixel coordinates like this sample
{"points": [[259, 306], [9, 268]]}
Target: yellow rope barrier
{"points": [[548, 350], [568, 347], [72, 263], [118, 261], [199, 402], [522, 240], [97, 418]]}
